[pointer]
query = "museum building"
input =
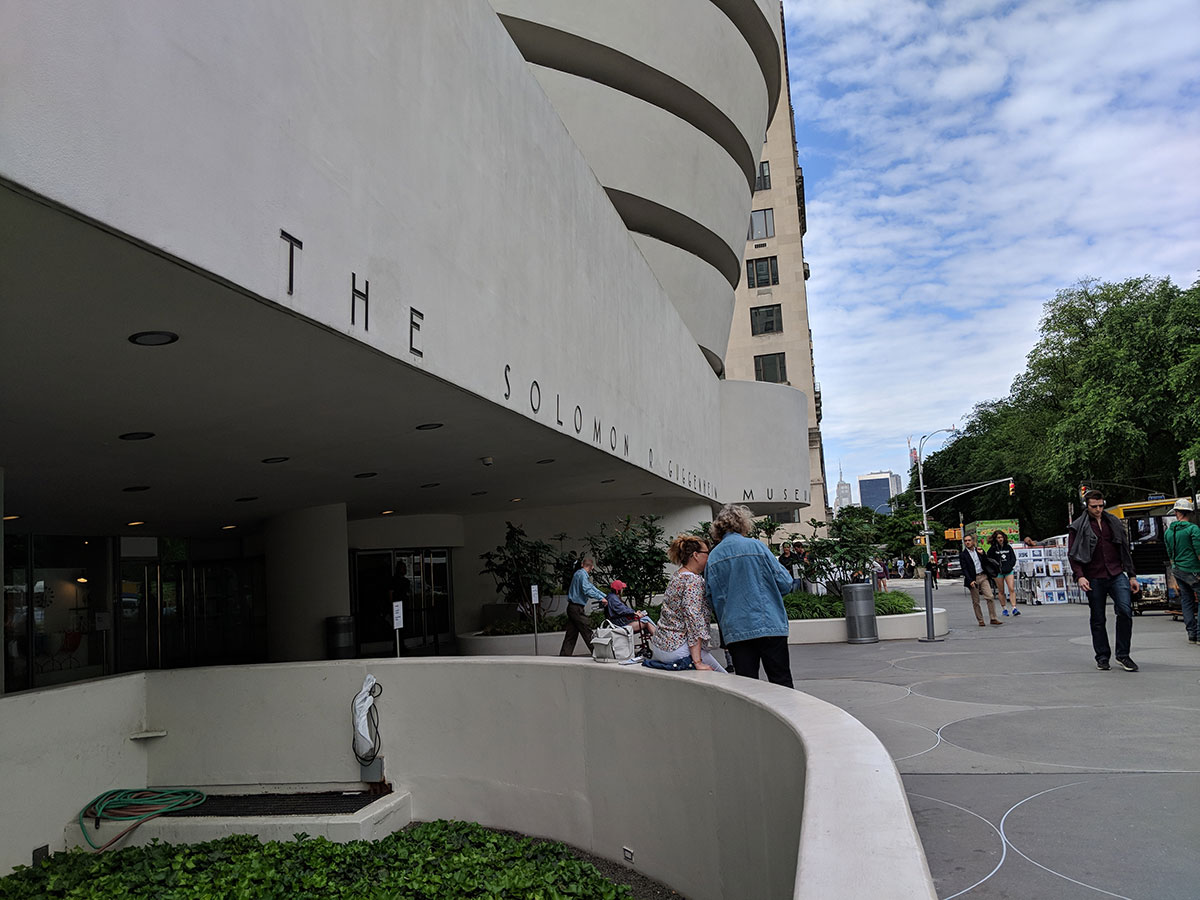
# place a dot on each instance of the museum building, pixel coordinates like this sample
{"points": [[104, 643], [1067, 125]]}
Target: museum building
{"points": [[298, 296]]}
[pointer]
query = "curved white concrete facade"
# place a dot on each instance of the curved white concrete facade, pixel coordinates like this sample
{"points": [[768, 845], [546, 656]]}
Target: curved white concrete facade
{"points": [[698, 291], [772, 793], [724, 73], [638, 148], [672, 120]]}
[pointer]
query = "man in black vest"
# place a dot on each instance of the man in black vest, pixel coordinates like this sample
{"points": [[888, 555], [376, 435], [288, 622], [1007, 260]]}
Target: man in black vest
{"points": [[1098, 548]]}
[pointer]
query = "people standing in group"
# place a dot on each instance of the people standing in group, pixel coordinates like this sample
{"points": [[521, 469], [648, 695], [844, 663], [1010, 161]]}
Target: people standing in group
{"points": [[683, 625], [976, 581], [911, 565], [791, 561], [578, 594], [1101, 561], [1182, 540], [899, 566], [746, 585], [1005, 559]]}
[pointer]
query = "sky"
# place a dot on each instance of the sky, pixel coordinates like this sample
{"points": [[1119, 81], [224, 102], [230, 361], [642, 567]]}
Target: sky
{"points": [[963, 161]]}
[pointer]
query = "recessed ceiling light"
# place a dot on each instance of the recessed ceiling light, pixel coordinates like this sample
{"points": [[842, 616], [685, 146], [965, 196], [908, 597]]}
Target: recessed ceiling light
{"points": [[432, 484], [366, 474], [81, 580], [478, 493], [153, 338], [244, 499], [388, 512], [429, 426], [136, 436], [515, 500], [11, 518], [271, 460], [228, 527], [135, 523], [136, 488], [544, 462], [607, 480]]}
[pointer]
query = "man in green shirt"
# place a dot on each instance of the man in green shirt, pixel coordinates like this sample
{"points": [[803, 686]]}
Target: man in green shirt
{"points": [[1182, 540]]}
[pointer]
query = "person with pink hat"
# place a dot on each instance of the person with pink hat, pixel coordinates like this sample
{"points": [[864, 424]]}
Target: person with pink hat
{"points": [[621, 614]]}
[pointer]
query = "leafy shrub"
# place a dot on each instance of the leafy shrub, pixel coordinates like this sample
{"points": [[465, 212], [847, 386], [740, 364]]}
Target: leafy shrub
{"points": [[430, 861], [800, 605]]}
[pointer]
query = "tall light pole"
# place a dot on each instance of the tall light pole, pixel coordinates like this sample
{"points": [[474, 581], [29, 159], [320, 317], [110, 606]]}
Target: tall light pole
{"points": [[929, 638]]}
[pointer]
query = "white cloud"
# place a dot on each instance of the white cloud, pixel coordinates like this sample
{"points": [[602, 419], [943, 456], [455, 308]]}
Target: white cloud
{"points": [[969, 159]]}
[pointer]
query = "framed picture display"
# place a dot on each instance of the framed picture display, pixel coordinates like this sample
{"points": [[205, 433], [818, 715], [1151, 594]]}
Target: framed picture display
{"points": [[1055, 567], [1039, 569]]}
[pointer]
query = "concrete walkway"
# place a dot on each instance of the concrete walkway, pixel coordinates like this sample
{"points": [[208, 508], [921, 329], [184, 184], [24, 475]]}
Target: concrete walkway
{"points": [[1031, 774]]}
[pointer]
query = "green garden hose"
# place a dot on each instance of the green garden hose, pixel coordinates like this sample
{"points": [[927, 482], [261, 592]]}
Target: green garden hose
{"points": [[135, 807]]}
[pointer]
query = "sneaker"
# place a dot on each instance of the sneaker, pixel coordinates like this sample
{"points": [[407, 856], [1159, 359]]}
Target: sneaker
{"points": [[1127, 664], [997, 622], [1005, 610], [1016, 612], [1191, 639], [1102, 665]]}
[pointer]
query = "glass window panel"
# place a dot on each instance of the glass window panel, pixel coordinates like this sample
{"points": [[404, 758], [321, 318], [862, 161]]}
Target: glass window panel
{"points": [[762, 224], [766, 319], [770, 367]]}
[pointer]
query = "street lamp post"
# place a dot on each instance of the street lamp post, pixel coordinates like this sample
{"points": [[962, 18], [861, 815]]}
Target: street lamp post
{"points": [[929, 638]]}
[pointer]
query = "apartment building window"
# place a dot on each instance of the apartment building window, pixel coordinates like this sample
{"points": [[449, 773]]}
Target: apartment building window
{"points": [[762, 224], [762, 182], [766, 319], [762, 272], [770, 367]]}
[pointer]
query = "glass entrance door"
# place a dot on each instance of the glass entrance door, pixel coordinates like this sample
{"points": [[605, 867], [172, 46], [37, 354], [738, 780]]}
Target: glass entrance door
{"points": [[419, 579]]}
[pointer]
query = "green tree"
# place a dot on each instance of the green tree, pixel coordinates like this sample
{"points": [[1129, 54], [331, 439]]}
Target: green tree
{"points": [[1110, 396], [518, 564], [634, 552]]}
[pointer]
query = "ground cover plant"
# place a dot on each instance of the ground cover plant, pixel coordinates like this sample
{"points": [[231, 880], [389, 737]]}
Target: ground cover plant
{"points": [[800, 605], [428, 861]]}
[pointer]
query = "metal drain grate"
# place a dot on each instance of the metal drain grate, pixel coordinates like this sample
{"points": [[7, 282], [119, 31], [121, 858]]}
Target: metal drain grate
{"points": [[325, 803]]}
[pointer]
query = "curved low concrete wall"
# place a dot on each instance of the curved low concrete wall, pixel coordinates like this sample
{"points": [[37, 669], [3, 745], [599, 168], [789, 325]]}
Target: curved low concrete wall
{"points": [[512, 644], [733, 789], [890, 628]]}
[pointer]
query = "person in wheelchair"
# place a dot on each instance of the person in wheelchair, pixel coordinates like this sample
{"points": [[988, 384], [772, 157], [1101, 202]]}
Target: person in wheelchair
{"points": [[621, 614]]}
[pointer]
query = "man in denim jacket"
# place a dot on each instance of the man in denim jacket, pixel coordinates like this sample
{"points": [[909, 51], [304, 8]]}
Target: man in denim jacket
{"points": [[746, 585]]}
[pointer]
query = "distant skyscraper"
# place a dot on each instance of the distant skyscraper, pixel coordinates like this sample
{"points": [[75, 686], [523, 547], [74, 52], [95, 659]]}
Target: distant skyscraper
{"points": [[875, 489], [842, 498]]}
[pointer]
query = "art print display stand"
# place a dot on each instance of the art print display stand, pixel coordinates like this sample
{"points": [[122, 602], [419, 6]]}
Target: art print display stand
{"points": [[1044, 577]]}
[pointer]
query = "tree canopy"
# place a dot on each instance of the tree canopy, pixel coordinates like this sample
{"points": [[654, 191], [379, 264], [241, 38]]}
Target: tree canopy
{"points": [[1110, 397]]}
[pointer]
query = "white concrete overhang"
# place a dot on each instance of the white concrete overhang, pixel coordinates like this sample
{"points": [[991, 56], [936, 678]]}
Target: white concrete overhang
{"points": [[764, 446], [246, 381]]}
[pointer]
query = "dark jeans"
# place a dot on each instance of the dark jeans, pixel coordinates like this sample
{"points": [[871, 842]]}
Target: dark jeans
{"points": [[772, 652], [578, 625], [1188, 583], [1117, 588]]}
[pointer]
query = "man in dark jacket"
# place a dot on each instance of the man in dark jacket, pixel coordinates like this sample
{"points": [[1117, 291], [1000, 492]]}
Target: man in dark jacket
{"points": [[976, 580], [1098, 549]]}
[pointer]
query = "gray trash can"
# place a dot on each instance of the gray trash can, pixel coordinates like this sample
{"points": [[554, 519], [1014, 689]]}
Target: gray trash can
{"points": [[859, 600], [339, 637]]}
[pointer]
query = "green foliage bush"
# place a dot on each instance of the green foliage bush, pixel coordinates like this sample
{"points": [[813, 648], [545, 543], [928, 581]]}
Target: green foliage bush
{"points": [[800, 605], [430, 861]]}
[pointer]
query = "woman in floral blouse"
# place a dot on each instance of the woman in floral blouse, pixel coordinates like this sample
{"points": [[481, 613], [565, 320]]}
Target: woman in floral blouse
{"points": [[683, 625]]}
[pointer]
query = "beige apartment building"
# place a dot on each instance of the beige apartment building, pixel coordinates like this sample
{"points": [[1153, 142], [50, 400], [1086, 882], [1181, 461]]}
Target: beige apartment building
{"points": [[770, 339]]}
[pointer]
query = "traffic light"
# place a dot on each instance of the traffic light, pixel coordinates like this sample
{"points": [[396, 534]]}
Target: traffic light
{"points": [[1083, 489], [1012, 487]]}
